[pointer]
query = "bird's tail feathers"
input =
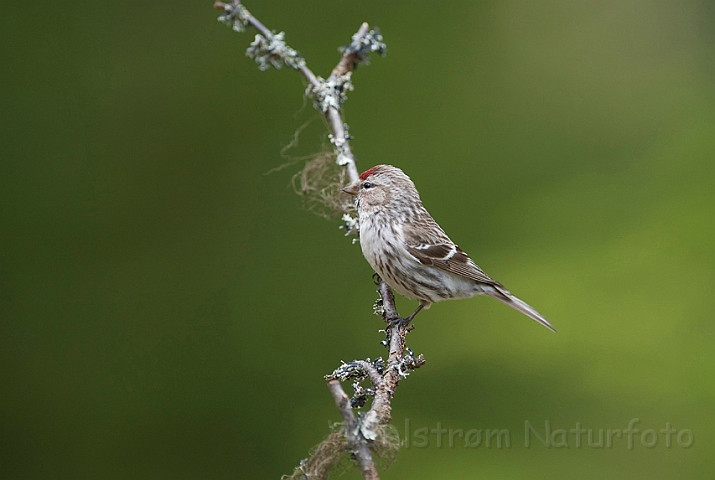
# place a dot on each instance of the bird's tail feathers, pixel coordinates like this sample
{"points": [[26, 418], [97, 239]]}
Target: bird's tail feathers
{"points": [[523, 307]]}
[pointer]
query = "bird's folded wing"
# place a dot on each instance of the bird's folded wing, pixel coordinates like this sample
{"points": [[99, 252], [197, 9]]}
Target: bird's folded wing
{"points": [[443, 254]]}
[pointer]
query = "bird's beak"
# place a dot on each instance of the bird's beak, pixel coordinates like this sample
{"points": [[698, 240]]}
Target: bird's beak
{"points": [[352, 189]]}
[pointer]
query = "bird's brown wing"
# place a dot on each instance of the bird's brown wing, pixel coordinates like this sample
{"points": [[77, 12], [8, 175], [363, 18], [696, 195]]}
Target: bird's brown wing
{"points": [[432, 246]]}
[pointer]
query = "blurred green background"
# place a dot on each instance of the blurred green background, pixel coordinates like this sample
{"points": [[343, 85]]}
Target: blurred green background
{"points": [[168, 309]]}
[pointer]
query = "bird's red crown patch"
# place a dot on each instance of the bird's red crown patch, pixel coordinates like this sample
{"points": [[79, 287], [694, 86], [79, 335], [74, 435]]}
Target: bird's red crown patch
{"points": [[367, 173]]}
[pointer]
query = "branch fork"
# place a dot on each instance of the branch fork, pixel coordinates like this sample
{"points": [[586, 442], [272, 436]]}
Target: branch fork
{"points": [[384, 378]]}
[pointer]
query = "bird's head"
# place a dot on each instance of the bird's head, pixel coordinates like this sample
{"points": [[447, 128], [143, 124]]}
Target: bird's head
{"points": [[383, 185]]}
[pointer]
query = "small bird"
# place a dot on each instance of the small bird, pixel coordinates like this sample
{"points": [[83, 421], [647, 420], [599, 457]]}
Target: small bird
{"points": [[410, 251]]}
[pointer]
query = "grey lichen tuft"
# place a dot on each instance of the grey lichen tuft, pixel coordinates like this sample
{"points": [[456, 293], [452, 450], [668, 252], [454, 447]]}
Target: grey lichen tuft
{"points": [[341, 151], [378, 308], [408, 363], [274, 52], [350, 370], [359, 398], [350, 224], [331, 92], [362, 46], [235, 16]]}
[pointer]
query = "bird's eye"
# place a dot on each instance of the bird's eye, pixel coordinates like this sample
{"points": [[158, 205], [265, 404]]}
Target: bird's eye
{"points": [[367, 185]]}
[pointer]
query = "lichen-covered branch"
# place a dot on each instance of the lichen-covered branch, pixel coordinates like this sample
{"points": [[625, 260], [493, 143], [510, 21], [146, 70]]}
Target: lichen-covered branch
{"points": [[367, 434], [400, 362], [383, 377], [269, 49]]}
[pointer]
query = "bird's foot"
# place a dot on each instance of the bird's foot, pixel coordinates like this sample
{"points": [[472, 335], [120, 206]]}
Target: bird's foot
{"points": [[417, 310]]}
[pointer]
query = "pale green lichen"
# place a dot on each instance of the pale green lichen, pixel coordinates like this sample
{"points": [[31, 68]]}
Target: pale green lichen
{"points": [[362, 46], [331, 92], [350, 224], [236, 17], [274, 52]]}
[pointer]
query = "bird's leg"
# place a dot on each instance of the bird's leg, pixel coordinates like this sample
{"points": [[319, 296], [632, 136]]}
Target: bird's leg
{"points": [[417, 310]]}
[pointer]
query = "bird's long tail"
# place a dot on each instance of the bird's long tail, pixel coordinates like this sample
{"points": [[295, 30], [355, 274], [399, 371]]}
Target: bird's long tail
{"points": [[517, 304]]}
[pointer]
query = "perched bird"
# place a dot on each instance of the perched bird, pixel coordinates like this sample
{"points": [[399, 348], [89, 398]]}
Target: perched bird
{"points": [[405, 246]]}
